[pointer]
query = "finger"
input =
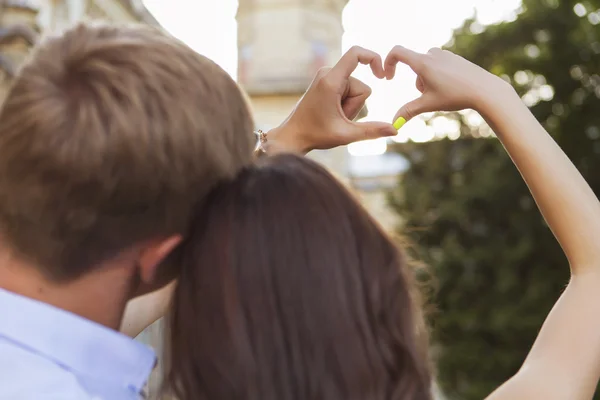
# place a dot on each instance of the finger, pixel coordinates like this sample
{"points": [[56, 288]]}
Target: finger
{"points": [[414, 108], [322, 72], [354, 101], [349, 61], [370, 130], [402, 55]]}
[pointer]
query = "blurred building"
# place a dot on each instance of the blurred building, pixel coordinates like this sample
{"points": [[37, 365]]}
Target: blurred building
{"points": [[58, 14], [372, 177], [281, 45], [22, 22], [18, 33]]}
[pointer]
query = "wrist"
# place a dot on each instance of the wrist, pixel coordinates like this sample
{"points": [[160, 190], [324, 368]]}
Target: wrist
{"points": [[286, 138], [494, 97]]}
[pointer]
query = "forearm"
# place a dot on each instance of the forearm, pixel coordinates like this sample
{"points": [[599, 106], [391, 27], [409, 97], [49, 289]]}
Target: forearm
{"points": [[566, 201], [564, 361]]}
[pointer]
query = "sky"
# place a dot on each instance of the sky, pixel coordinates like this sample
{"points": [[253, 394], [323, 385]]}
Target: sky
{"points": [[374, 24]]}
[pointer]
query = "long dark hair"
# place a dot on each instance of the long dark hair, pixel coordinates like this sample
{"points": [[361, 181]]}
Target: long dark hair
{"points": [[290, 291]]}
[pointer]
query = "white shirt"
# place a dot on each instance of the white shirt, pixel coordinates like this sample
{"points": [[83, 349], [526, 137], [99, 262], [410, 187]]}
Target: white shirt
{"points": [[47, 353]]}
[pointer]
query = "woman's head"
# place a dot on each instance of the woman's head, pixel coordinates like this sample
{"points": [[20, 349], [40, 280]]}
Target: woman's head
{"points": [[289, 290]]}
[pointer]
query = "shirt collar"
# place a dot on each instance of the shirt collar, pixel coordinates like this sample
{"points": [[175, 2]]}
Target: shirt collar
{"points": [[75, 343]]}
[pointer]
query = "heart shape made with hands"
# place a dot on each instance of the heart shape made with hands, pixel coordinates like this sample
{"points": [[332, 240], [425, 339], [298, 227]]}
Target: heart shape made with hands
{"points": [[325, 115], [356, 92], [446, 81]]}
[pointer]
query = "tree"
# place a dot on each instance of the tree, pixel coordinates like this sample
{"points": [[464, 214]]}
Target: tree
{"points": [[497, 266]]}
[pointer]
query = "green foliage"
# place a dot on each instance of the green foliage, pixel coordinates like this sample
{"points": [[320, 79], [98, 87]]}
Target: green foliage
{"points": [[498, 268]]}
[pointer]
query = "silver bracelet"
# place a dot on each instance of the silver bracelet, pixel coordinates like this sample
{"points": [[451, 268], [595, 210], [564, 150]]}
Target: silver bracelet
{"points": [[261, 143]]}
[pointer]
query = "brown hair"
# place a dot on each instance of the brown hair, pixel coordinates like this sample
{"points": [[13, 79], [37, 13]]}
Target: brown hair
{"points": [[109, 136], [289, 290]]}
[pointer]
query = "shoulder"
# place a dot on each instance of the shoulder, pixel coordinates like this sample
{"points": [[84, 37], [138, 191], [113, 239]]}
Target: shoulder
{"points": [[26, 376]]}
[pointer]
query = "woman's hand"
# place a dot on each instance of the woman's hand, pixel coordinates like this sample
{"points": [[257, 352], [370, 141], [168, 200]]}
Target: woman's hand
{"points": [[323, 118], [447, 81]]}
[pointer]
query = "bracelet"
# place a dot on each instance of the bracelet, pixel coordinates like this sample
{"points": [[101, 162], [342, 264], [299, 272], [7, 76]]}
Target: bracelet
{"points": [[260, 149]]}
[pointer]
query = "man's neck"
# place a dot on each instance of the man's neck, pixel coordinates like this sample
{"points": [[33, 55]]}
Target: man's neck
{"points": [[100, 296]]}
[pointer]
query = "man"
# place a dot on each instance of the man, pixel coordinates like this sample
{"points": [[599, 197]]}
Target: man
{"points": [[109, 138]]}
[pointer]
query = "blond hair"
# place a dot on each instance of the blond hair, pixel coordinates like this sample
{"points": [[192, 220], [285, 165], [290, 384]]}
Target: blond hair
{"points": [[110, 135]]}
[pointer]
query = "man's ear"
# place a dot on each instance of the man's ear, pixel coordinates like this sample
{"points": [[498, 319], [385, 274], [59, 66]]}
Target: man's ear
{"points": [[153, 254]]}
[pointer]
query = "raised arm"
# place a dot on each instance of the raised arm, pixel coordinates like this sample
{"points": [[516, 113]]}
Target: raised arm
{"points": [[565, 359], [564, 362]]}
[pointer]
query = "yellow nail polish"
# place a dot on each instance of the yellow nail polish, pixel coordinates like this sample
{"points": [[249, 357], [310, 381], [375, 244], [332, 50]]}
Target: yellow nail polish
{"points": [[399, 123]]}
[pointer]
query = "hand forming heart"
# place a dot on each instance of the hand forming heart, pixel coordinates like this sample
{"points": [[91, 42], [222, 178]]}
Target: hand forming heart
{"points": [[323, 117], [447, 81]]}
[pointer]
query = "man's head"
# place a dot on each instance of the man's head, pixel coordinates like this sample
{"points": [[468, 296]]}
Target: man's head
{"points": [[109, 137]]}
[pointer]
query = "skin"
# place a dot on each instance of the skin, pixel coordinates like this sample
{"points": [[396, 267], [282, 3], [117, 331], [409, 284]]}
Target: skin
{"points": [[564, 362], [99, 296]]}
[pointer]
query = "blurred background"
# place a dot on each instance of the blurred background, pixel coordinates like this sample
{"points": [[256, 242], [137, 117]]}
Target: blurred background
{"points": [[444, 182]]}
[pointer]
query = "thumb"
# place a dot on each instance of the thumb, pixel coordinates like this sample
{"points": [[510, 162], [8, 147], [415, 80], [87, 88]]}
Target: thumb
{"points": [[371, 130], [414, 108]]}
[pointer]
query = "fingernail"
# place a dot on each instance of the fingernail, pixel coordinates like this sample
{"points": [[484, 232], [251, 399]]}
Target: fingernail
{"points": [[399, 123]]}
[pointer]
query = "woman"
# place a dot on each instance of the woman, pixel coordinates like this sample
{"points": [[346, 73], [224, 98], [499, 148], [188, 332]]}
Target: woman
{"points": [[290, 291]]}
